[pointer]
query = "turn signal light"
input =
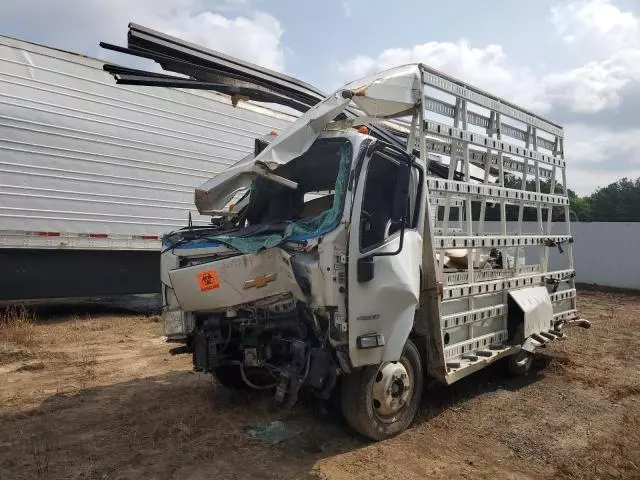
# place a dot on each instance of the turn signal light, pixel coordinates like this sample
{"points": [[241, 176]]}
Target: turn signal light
{"points": [[371, 340]]}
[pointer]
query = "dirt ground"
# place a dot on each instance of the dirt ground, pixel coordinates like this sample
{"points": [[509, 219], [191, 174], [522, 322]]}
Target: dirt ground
{"points": [[99, 397]]}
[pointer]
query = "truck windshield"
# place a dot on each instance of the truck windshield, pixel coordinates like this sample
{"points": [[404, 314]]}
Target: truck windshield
{"points": [[320, 174], [276, 213]]}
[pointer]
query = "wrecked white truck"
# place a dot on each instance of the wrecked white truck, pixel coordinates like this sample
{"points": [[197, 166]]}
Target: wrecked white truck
{"points": [[338, 261], [334, 262]]}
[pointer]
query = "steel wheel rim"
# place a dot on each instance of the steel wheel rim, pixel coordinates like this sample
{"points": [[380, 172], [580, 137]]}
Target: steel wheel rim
{"points": [[392, 389]]}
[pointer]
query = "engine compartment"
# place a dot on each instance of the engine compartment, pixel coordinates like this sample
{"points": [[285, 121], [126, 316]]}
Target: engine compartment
{"points": [[276, 343]]}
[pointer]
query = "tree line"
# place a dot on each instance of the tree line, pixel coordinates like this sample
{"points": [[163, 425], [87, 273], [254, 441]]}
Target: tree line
{"points": [[617, 202]]}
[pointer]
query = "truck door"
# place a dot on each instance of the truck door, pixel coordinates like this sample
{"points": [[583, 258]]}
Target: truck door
{"points": [[384, 257]]}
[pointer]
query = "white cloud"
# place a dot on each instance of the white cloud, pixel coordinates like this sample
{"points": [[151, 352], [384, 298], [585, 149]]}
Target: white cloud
{"points": [[255, 38], [598, 156], [486, 67], [596, 26], [611, 39], [603, 148], [79, 25], [603, 39], [595, 86]]}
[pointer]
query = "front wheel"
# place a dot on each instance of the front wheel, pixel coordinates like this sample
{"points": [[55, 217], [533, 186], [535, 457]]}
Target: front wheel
{"points": [[381, 401]]}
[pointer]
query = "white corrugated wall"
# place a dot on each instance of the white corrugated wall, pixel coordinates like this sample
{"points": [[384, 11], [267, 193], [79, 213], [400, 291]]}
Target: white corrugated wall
{"points": [[604, 253], [80, 154]]}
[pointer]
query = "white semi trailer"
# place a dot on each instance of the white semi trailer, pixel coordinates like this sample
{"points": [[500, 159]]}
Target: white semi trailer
{"points": [[92, 174]]}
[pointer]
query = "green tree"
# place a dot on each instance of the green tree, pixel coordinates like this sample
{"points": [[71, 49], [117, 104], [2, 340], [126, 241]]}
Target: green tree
{"points": [[617, 202], [580, 206]]}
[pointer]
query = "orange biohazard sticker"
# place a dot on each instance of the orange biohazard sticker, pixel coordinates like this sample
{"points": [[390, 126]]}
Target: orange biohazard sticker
{"points": [[208, 280]]}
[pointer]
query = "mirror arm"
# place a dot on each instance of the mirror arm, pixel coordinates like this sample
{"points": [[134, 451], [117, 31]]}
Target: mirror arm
{"points": [[400, 245]]}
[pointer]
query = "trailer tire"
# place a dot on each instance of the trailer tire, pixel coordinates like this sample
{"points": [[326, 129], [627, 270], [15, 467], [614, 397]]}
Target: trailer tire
{"points": [[375, 400], [519, 363]]}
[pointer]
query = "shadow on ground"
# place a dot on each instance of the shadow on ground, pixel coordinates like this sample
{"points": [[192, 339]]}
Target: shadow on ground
{"points": [[146, 304], [438, 397], [183, 425]]}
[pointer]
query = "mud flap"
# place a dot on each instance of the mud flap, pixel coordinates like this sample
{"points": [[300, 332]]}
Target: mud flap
{"points": [[529, 312]]}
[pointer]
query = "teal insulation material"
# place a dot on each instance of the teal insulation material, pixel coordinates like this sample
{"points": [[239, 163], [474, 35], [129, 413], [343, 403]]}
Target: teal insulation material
{"points": [[306, 228]]}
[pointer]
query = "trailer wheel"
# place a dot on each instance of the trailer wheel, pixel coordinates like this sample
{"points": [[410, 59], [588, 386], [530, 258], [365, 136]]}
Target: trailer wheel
{"points": [[520, 363], [381, 401]]}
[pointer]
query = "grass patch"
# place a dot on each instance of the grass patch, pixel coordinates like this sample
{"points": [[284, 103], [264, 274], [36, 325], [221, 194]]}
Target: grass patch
{"points": [[87, 368], [17, 327]]}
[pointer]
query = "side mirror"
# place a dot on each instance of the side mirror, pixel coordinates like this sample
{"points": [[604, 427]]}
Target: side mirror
{"points": [[401, 193], [365, 269]]}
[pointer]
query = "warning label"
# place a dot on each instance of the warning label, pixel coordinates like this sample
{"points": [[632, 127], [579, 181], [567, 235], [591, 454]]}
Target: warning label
{"points": [[208, 280]]}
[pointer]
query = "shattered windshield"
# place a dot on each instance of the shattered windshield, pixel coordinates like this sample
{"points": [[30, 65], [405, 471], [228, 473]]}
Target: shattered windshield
{"points": [[315, 172], [276, 213]]}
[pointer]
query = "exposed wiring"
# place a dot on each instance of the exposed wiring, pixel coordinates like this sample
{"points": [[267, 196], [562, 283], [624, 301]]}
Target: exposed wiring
{"points": [[273, 370], [306, 372], [226, 344], [247, 381]]}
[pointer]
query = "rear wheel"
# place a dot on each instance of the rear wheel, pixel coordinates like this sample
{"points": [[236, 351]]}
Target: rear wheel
{"points": [[381, 401], [520, 363]]}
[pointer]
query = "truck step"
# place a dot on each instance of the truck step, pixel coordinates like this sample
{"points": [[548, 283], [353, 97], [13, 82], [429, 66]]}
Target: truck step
{"points": [[484, 353], [473, 361], [472, 357], [539, 338], [548, 336]]}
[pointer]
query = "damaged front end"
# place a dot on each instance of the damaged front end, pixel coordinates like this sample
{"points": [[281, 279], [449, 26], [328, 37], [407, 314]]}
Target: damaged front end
{"points": [[259, 296], [252, 321]]}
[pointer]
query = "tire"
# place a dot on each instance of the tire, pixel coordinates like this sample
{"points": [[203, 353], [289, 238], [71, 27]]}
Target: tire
{"points": [[362, 388], [519, 363]]}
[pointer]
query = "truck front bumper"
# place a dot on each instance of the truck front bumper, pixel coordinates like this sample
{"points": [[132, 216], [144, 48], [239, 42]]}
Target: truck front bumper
{"points": [[177, 324]]}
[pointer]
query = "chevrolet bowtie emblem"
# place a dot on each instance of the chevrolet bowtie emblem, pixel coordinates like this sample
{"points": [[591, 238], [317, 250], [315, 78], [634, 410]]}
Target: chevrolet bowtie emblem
{"points": [[260, 281]]}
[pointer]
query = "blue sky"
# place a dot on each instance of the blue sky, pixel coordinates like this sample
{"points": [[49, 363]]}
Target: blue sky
{"points": [[367, 31], [575, 61]]}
